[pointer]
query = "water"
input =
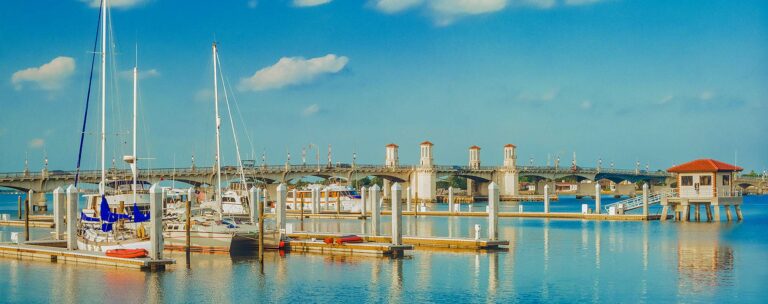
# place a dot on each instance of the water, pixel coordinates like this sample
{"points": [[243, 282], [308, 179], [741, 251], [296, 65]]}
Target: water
{"points": [[548, 260]]}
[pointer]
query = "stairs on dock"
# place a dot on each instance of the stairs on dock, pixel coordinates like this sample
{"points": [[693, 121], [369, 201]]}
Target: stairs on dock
{"points": [[637, 201]]}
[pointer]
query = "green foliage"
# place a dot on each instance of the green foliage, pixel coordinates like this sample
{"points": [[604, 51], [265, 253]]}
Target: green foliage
{"points": [[453, 181]]}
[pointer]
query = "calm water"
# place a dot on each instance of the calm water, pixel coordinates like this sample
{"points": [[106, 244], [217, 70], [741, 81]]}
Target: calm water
{"points": [[548, 260]]}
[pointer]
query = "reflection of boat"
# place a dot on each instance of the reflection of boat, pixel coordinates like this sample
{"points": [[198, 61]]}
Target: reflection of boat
{"points": [[347, 196]]}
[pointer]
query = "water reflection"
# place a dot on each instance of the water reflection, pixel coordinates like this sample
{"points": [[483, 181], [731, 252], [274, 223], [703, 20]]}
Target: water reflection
{"points": [[702, 261]]}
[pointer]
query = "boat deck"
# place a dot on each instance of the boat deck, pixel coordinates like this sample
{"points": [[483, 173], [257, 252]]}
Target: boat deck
{"points": [[54, 252]]}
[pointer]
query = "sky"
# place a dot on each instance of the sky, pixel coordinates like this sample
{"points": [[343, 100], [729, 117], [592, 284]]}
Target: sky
{"points": [[659, 82]]}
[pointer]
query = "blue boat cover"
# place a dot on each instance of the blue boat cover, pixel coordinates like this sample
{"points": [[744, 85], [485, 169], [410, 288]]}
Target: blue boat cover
{"points": [[139, 217]]}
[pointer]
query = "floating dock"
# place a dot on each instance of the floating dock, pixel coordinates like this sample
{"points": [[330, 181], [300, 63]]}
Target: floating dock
{"points": [[424, 242], [54, 252], [543, 215], [367, 248], [33, 224]]}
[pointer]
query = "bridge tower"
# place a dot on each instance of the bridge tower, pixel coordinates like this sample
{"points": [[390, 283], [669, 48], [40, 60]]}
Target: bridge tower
{"points": [[509, 174], [474, 164], [392, 160], [424, 181]]}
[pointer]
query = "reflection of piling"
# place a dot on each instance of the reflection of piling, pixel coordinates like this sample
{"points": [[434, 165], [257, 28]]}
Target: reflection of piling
{"points": [[156, 222], [59, 197], [397, 221], [493, 211], [72, 197], [375, 210]]}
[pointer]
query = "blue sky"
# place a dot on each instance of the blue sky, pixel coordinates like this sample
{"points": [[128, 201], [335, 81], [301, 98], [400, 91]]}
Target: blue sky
{"points": [[661, 82]]}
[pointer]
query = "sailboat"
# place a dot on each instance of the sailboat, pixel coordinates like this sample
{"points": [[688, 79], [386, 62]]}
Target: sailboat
{"points": [[104, 226], [216, 225]]}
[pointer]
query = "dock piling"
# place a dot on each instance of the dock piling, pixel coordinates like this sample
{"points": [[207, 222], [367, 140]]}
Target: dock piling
{"points": [[156, 222], [397, 214], [27, 203], [59, 197], [375, 210], [72, 197], [546, 198], [260, 209], [477, 232], [282, 193], [362, 200], [253, 198], [19, 206], [408, 203], [597, 198], [450, 200], [645, 200], [188, 223], [493, 211]]}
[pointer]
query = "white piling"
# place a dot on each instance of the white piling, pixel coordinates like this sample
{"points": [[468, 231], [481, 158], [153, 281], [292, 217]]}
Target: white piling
{"points": [[408, 203], [314, 200], [156, 222], [597, 198], [253, 199], [282, 193], [59, 198], [326, 197], [645, 199], [450, 200], [477, 232], [295, 194], [397, 214], [546, 198], [493, 211], [72, 198], [375, 210], [363, 210]]}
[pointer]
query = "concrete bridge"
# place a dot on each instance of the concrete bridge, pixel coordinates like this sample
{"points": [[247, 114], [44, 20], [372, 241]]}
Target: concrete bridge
{"points": [[421, 178]]}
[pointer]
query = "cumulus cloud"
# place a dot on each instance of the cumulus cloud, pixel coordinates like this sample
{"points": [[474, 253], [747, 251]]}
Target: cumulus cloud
{"points": [[310, 110], [49, 76], [394, 6], [36, 143], [128, 74], [586, 104], [307, 3], [293, 71], [115, 3], [445, 12]]}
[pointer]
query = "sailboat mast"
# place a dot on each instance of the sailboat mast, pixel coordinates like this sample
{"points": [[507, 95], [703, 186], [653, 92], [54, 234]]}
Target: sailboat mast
{"points": [[134, 165], [103, 95], [218, 125]]}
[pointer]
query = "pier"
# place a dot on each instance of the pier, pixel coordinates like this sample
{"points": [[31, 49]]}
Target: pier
{"points": [[57, 252]]}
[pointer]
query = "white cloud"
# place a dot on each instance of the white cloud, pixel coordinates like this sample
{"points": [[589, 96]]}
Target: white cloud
{"points": [[307, 3], [253, 4], [36, 143], [394, 6], [49, 76], [204, 95], [310, 110], [128, 74], [115, 3], [586, 104], [706, 95], [293, 71]]}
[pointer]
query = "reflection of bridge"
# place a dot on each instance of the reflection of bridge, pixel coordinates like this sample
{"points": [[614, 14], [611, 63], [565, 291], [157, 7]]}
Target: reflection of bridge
{"points": [[422, 178]]}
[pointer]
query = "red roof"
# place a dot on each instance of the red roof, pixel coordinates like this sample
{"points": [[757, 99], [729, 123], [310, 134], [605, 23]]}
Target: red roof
{"points": [[392, 145], [704, 165], [510, 145], [474, 148], [427, 143]]}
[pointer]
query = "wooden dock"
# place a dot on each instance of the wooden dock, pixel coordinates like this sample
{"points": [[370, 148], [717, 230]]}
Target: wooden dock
{"points": [[54, 252], [33, 224], [550, 215], [421, 242], [368, 248]]}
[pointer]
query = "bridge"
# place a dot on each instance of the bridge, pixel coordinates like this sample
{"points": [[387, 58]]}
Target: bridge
{"points": [[422, 178]]}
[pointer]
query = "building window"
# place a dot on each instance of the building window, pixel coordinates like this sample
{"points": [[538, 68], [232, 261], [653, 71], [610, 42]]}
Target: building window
{"points": [[705, 180], [726, 180], [686, 181]]}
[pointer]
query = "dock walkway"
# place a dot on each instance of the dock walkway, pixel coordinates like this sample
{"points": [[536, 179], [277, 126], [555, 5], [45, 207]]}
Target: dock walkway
{"points": [[44, 251], [434, 242]]}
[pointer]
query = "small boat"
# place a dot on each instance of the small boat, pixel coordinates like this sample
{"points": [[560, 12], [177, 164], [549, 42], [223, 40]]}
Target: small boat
{"points": [[347, 196], [127, 253], [344, 239]]}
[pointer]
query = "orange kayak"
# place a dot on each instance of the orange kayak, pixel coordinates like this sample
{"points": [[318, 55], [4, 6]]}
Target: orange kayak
{"points": [[127, 253]]}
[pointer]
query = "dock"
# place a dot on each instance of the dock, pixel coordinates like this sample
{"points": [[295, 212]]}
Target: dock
{"points": [[367, 248], [416, 241], [54, 251], [542, 215], [33, 224]]}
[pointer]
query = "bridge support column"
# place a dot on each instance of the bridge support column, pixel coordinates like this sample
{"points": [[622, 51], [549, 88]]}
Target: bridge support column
{"points": [[509, 182], [59, 198], [426, 185], [470, 187], [72, 198]]}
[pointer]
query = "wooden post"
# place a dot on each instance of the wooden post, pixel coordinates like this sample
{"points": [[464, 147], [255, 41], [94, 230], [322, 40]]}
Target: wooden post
{"points": [[493, 211], [708, 210], [728, 212], [664, 210], [302, 210], [717, 213], [19, 206], [188, 225], [26, 215], [686, 213], [72, 197], [697, 212], [375, 211], [739, 216], [59, 198], [261, 227], [397, 214]]}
